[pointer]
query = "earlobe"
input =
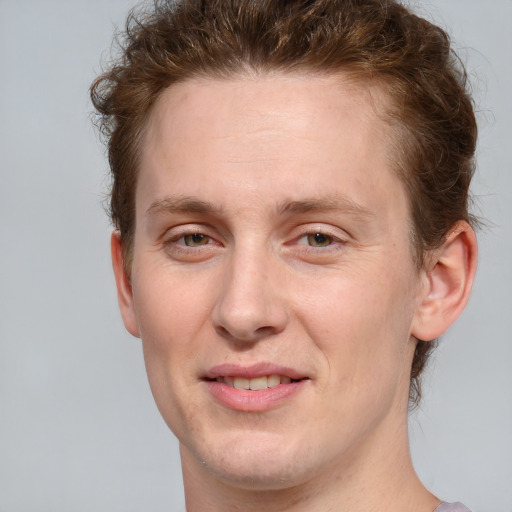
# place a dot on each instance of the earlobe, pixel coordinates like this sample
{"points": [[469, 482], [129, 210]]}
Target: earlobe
{"points": [[448, 279], [124, 286]]}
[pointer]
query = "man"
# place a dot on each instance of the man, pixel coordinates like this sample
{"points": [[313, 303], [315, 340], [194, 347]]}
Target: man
{"points": [[290, 188]]}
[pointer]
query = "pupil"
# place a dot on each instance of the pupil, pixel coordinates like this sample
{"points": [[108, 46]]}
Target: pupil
{"points": [[319, 240], [196, 239]]}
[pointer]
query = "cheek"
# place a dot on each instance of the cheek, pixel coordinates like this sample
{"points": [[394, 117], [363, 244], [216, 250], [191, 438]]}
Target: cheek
{"points": [[168, 330], [172, 312], [170, 305], [361, 323]]}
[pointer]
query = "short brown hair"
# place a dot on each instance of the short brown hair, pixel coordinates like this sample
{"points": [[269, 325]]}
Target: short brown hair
{"points": [[378, 41]]}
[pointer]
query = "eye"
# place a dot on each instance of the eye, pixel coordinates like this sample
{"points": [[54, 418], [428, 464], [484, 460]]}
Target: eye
{"points": [[186, 244], [316, 239], [195, 239], [320, 244], [319, 240]]}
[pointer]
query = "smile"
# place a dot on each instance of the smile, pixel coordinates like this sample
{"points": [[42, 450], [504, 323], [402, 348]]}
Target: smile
{"points": [[255, 384], [254, 388]]}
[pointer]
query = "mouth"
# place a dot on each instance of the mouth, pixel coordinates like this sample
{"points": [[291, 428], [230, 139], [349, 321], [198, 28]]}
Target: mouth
{"points": [[256, 388], [255, 383]]}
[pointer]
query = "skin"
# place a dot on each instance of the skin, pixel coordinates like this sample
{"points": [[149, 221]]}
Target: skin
{"points": [[258, 167]]}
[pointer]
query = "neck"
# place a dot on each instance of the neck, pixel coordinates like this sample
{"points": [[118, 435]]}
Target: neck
{"points": [[380, 477]]}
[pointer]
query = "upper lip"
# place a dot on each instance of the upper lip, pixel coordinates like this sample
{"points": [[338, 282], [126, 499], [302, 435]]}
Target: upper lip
{"points": [[253, 371]]}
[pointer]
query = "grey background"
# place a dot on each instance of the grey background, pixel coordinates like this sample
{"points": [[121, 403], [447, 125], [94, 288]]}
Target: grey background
{"points": [[78, 427]]}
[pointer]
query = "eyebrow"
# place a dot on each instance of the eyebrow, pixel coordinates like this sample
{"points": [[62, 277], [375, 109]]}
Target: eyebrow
{"points": [[337, 204], [192, 204], [183, 204]]}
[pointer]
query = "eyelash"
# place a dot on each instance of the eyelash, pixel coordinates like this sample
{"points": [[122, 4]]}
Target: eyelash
{"points": [[310, 238], [335, 242], [177, 243]]}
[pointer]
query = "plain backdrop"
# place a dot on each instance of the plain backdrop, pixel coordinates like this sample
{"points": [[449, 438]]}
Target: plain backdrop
{"points": [[79, 431]]}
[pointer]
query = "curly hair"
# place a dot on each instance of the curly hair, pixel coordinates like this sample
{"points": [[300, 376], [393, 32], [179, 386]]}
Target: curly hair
{"points": [[376, 41]]}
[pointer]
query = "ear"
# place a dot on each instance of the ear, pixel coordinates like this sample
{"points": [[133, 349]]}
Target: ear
{"points": [[124, 285], [447, 281]]}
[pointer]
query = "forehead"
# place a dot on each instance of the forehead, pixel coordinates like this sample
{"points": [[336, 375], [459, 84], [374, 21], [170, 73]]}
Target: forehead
{"points": [[308, 105], [309, 135]]}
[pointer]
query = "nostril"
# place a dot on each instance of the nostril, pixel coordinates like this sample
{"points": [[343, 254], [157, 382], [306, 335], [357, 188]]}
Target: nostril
{"points": [[265, 331], [222, 331], [245, 335]]}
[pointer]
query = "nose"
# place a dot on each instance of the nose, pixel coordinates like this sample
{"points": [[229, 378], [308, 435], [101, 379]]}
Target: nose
{"points": [[251, 302]]}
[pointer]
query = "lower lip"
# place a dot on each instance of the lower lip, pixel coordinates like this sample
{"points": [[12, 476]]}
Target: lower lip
{"points": [[254, 401]]}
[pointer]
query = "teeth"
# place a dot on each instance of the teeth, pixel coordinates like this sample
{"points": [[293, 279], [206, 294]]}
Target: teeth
{"points": [[273, 381], [240, 383], [256, 384]]}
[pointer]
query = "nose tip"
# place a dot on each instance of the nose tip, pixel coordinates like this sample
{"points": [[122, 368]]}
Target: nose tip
{"points": [[250, 304]]}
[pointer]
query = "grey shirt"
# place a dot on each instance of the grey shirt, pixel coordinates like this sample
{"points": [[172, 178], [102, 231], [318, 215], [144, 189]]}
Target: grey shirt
{"points": [[451, 507]]}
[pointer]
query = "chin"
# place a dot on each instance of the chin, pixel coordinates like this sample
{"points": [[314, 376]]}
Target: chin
{"points": [[257, 461]]}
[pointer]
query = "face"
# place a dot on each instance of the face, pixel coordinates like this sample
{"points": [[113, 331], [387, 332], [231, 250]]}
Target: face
{"points": [[272, 252]]}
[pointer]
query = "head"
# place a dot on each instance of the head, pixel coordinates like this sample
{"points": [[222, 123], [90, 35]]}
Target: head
{"points": [[399, 67], [373, 41]]}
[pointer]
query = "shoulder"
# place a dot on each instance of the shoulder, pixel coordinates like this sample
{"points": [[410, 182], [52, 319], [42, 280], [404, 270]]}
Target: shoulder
{"points": [[451, 507]]}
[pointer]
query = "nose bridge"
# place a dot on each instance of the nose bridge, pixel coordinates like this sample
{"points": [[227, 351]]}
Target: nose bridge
{"points": [[250, 305]]}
